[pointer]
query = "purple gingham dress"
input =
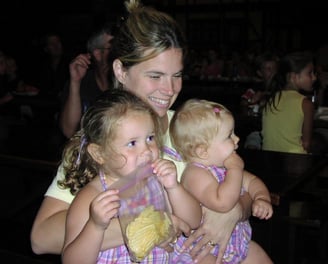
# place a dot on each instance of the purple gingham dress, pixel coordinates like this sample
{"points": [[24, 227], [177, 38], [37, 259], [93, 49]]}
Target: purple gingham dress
{"points": [[237, 247], [120, 254]]}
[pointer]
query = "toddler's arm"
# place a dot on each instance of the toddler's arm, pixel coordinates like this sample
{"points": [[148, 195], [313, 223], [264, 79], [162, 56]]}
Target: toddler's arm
{"points": [[183, 204], [82, 227]]}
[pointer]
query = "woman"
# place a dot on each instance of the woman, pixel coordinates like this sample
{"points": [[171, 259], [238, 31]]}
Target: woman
{"points": [[148, 50]]}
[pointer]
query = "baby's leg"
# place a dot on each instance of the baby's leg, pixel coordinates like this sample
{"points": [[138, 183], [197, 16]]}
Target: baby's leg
{"points": [[256, 255]]}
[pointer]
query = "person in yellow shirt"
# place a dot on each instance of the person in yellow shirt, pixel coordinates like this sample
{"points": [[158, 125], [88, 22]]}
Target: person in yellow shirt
{"points": [[287, 117]]}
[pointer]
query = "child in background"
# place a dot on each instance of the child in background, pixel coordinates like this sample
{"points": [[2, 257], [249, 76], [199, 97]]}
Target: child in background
{"points": [[16, 83], [203, 134], [252, 100], [265, 67], [287, 117], [118, 133]]}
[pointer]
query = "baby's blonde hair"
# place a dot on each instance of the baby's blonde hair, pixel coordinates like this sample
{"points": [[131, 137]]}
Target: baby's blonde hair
{"points": [[195, 124]]}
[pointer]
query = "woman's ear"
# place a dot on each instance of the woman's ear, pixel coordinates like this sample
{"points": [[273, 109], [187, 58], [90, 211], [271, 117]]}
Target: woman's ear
{"points": [[95, 153], [119, 71]]}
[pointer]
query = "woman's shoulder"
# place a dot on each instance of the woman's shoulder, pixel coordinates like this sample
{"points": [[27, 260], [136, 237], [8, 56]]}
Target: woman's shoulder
{"points": [[170, 114]]}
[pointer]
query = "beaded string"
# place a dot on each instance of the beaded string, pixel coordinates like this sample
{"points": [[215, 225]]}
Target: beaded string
{"points": [[103, 180]]}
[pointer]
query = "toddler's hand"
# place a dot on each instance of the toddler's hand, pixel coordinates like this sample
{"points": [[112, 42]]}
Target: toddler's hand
{"points": [[166, 172], [104, 207]]}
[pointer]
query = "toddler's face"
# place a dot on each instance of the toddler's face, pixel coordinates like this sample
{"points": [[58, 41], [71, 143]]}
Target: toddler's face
{"points": [[135, 144]]}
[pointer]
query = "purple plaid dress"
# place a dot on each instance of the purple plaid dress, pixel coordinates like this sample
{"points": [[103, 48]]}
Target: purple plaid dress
{"points": [[237, 247], [120, 254]]}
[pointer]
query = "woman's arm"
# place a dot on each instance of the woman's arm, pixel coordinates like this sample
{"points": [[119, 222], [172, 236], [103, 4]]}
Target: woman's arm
{"points": [[47, 235], [48, 231]]}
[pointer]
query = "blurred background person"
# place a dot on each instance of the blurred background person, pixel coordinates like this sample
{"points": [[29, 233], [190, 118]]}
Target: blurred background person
{"points": [[287, 117], [89, 77], [52, 71]]}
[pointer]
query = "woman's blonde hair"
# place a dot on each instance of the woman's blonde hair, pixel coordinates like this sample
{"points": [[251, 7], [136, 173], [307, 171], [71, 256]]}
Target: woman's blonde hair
{"points": [[143, 34]]}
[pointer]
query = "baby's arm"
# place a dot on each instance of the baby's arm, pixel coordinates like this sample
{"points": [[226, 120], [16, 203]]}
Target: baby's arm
{"points": [[183, 204], [83, 227], [219, 197], [229, 190], [260, 195]]}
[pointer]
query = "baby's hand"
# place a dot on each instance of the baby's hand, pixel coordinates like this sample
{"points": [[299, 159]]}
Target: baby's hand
{"points": [[166, 172], [104, 207], [234, 161], [262, 209]]}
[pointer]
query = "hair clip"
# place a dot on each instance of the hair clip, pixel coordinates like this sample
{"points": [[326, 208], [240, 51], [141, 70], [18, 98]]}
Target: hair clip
{"points": [[216, 110]]}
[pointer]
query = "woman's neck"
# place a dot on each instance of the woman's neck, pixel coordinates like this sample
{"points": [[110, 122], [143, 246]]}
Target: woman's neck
{"points": [[164, 121]]}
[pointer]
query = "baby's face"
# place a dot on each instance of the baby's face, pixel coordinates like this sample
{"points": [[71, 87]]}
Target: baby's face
{"points": [[224, 143]]}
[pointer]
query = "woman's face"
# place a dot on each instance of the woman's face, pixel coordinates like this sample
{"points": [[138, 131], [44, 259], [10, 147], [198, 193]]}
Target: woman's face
{"points": [[157, 81]]}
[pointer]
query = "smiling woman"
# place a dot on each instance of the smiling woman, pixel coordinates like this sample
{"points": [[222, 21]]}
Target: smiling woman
{"points": [[150, 66]]}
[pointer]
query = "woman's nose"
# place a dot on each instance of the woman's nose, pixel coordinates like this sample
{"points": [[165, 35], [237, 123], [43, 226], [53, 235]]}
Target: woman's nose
{"points": [[168, 87]]}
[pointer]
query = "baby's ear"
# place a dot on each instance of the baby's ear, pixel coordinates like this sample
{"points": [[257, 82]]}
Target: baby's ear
{"points": [[201, 151], [95, 152]]}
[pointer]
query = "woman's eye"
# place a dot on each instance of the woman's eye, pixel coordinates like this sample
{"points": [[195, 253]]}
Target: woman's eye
{"points": [[154, 76], [178, 75]]}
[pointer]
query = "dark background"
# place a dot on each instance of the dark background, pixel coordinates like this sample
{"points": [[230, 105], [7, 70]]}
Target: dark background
{"points": [[22, 22]]}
